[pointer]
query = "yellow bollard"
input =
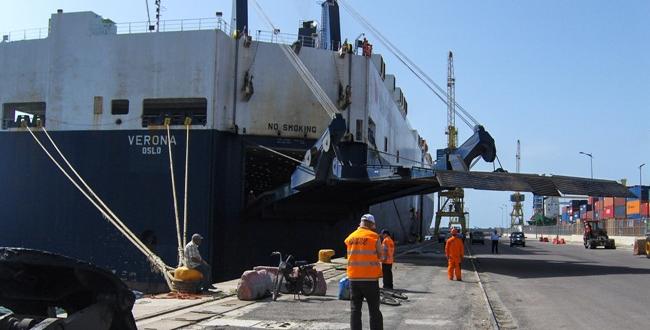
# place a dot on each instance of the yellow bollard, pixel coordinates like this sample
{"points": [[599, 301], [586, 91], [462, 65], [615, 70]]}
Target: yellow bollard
{"points": [[187, 274], [325, 255]]}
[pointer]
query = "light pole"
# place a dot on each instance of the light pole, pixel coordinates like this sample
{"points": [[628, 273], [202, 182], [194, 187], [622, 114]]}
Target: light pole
{"points": [[641, 186], [640, 181], [591, 162], [502, 211]]}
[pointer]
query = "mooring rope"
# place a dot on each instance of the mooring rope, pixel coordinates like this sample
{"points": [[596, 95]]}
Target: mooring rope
{"points": [[171, 172], [188, 121], [103, 209]]}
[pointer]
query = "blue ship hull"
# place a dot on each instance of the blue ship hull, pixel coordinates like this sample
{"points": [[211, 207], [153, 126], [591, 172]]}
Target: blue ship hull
{"points": [[129, 170]]}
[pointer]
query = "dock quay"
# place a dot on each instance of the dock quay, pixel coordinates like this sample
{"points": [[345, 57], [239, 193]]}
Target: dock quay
{"points": [[420, 272]]}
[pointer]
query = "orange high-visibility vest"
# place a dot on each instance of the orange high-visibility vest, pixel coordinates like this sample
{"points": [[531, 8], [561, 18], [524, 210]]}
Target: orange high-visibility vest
{"points": [[363, 261], [388, 250]]}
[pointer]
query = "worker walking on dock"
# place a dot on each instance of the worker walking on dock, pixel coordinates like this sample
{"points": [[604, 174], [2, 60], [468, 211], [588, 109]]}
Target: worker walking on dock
{"points": [[193, 260], [494, 238], [364, 271], [455, 252], [387, 253]]}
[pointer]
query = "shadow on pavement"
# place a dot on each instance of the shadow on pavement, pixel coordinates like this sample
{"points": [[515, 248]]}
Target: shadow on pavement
{"points": [[521, 263]]}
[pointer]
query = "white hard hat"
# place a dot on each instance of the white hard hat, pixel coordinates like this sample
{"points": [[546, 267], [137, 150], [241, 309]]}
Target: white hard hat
{"points": [[368, 217]]}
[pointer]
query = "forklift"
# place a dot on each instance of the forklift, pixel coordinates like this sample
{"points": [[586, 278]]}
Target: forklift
{"points": [[595, 236]]}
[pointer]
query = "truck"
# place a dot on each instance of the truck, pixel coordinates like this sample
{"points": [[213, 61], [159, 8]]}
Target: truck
{"points": [[594, 236]]}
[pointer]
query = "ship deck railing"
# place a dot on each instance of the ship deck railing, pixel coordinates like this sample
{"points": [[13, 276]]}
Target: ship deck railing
{"points": [[177, 25]]}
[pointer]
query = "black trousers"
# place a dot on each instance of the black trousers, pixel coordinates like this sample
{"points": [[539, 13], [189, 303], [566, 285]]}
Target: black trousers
{"points": [[387, 269], [207, 275], [495, 246], [370, 291]]}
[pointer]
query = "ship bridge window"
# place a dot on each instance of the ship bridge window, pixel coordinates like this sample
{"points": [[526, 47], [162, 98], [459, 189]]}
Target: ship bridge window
{"points": [[154, 111], [14, 113], [120, 107]]}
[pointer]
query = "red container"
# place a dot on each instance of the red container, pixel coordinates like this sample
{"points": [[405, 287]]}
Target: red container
{"points": [[608, 212], [589, 216], [644, 209], [619, 201], [609, 201], [598, 205]]}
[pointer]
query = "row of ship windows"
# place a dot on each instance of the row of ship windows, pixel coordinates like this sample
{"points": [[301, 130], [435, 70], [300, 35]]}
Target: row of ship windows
{"points": [[154, 111]]}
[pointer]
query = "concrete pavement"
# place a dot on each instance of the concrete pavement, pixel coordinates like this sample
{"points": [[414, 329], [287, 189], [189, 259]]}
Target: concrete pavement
{"points": [[434, 302], [546, 286]]}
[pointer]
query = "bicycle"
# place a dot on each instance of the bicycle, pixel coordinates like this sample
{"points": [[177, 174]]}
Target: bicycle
{"points": [[301, 282]]}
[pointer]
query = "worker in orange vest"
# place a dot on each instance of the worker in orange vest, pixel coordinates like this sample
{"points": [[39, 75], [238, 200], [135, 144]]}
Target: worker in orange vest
{"points": [[364, 271], [387, 253], [455, 252]]}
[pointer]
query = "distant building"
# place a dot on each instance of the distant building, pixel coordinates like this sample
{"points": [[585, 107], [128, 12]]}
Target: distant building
{"points": [[549, 206]]}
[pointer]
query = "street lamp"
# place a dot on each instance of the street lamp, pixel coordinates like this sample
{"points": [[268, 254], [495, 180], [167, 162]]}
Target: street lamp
{"points": [[640, 181], [502, 211], [591, 162], [641, 186]]}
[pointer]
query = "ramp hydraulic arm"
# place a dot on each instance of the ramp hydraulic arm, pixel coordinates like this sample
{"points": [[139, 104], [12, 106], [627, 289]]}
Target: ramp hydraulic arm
{"points": [[480, 144]]}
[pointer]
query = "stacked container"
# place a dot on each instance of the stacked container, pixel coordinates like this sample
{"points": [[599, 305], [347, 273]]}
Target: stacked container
{"points": [[637, 208], [619, 208]]}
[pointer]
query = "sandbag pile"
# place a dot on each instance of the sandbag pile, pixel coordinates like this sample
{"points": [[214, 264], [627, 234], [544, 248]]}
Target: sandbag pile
{"points": [[254, 284]]}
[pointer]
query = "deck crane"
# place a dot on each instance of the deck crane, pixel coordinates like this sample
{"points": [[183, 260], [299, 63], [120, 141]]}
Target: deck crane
{"points": [[517, 214], [451, 202]]}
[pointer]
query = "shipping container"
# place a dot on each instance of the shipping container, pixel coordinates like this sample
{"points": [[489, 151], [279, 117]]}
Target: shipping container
{"points": [[634, 216], [633, 207], [608, 201], [640, 191], [619, 211], [643, 210], [608, 212], [597, 206], [619, 201]]}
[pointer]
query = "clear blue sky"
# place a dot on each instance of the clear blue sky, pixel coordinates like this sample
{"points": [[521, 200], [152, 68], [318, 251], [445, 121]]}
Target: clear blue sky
{"points": [[561, 76]]}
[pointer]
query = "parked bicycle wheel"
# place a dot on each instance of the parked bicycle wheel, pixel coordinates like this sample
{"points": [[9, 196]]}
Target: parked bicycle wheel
{"points": [[276, 286], [309, 283], [386, 300], [395, 294]]}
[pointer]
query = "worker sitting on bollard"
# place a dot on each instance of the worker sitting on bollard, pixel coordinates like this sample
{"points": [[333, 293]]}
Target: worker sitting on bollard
{"points": [[193, 260], [455, 252]]}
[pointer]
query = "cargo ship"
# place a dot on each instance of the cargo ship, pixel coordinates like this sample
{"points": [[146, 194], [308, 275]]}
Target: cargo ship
{"points": [[106, 93]]}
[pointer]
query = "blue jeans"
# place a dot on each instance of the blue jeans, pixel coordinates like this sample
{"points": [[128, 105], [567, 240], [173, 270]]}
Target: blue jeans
{"points": [[206, 271]]}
